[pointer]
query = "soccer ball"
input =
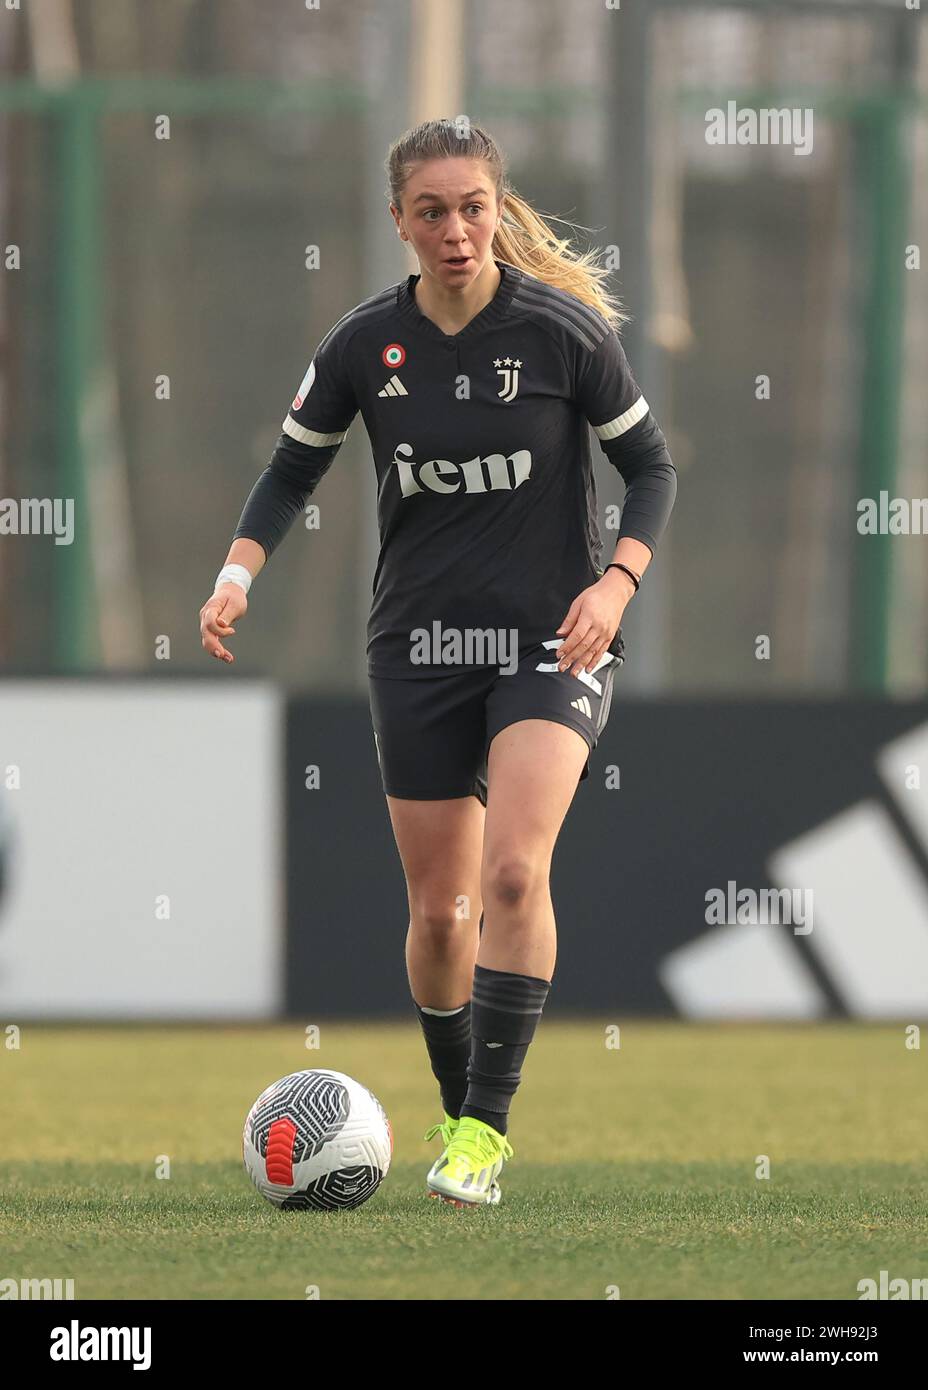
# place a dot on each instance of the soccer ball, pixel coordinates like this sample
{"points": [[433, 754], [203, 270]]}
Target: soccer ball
{"points": [[317, 1139]]}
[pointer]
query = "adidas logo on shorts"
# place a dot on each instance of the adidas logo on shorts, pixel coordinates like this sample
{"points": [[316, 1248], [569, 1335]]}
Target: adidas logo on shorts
{"points": [[583, 705]]}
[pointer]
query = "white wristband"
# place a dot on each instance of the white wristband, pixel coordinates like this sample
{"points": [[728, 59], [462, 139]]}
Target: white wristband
{"points": [[233, 574]]}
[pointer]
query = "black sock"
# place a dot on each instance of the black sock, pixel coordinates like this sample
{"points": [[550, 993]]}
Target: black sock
{"points": [[504, 1014], [447, 1038]]}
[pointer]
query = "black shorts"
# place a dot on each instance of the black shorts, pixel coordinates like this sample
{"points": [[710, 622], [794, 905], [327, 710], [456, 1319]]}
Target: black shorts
{"points": [[433, 733]]}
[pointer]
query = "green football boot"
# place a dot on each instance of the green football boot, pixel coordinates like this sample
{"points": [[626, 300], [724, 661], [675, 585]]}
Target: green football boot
{"points": [[466, 1173], [446, 1130]]}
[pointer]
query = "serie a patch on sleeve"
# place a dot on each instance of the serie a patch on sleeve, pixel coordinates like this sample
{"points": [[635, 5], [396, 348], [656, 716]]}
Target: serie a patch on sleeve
{"points": [[305, 385]]}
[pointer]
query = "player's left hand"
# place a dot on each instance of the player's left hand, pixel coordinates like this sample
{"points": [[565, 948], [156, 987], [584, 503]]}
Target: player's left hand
{"points": [[592, 621]]}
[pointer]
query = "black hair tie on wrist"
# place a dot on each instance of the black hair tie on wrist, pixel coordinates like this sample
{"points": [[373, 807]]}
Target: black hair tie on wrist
{"points": [[635, 578]]}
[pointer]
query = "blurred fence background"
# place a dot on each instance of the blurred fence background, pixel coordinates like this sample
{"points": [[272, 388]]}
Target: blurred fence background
{"points": [[161, 312]]}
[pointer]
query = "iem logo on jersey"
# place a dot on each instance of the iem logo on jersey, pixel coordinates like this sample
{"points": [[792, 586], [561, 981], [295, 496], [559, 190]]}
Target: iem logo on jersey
{"points": [[495, 473], [509, 371]]}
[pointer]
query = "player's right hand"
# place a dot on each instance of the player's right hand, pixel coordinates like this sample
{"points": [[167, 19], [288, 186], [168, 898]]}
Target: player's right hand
{"points": [[217, 616]]}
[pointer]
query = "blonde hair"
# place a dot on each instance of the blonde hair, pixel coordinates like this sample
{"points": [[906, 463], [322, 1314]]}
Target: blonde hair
{"points": [[524, 238]]}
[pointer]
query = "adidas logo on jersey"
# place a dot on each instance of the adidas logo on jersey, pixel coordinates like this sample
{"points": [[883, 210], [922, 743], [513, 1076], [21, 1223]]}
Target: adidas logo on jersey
{"points": [[394, 387], [583, 705]]}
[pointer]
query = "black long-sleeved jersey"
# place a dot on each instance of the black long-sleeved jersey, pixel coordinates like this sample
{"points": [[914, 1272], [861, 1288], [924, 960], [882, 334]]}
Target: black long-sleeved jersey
{"points": [[486, 501]]}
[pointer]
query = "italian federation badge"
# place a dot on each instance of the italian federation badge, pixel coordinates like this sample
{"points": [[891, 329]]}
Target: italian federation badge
{"points": [[393, 355]]}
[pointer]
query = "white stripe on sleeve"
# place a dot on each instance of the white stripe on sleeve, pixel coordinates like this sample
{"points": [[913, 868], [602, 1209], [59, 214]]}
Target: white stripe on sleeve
{"points": [[613, 428], [305, 436]]}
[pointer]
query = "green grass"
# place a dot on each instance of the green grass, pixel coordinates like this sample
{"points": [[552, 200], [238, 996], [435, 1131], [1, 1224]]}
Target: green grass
{"points": [[633, 1167]]}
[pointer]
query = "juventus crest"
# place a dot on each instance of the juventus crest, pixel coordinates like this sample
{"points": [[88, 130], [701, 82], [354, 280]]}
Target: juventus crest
{"points": [[508, 369]]}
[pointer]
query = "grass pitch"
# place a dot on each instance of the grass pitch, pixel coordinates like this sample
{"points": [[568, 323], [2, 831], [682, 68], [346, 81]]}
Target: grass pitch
{"points": [[634, 1169]]}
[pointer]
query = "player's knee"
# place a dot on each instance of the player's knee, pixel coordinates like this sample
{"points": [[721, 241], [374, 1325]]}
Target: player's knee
{"points": [[437, 919], [512, 879]]}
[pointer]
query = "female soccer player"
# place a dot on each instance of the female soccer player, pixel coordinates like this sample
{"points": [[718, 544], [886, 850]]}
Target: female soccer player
{"points": [[494, 635]]}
